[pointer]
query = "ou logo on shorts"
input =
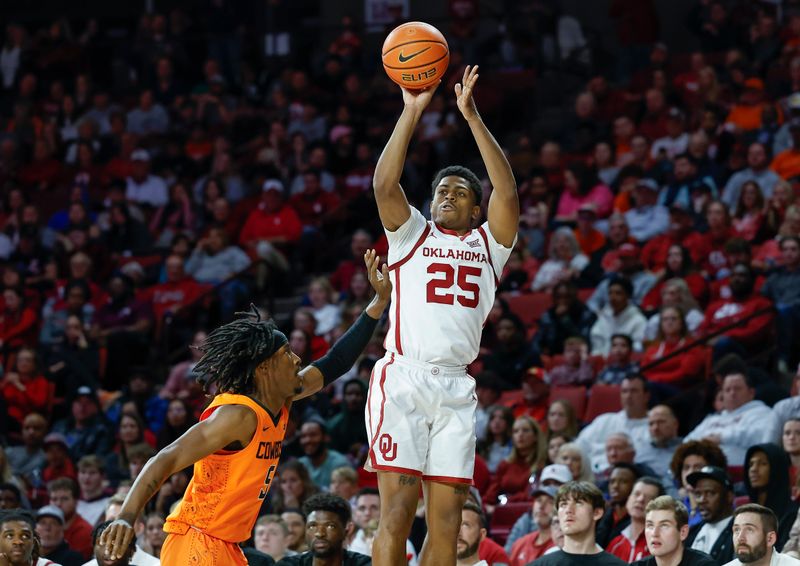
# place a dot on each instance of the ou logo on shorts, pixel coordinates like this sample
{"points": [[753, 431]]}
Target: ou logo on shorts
{"points": [[387, 447]]}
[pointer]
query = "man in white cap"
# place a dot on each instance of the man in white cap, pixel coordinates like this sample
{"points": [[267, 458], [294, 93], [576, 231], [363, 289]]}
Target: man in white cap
{"points": [[554, 475], [142, 187], [648, 218]]}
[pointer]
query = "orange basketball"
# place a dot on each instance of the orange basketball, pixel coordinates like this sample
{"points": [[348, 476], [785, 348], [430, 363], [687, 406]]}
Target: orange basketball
{"points": [[415, 55]]}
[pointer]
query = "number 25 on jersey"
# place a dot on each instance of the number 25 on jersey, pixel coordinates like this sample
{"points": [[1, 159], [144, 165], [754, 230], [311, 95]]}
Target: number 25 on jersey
{"points": [[445, 275]]}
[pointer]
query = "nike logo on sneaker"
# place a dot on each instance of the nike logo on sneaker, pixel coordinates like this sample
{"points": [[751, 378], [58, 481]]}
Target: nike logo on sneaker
{"points": [[403, 58]]}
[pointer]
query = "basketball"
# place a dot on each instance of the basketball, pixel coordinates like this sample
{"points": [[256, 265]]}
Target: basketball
{"points": [[415, 55]]}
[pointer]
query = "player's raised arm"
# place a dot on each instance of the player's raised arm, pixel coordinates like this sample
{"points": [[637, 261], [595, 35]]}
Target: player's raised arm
{"points": [[504, 203], [226, 426], [392, 204], [348, 348]]}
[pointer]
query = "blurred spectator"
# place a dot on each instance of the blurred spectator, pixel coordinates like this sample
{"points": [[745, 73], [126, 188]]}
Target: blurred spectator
{"points": [[575, 458], [620, 316], [656, 251], [688, 458], [294, 487], [531, 546], [632, 419], [783, 289], [214, 261], [748, 217], [512, 355], [28, 459], [678, 265], [143, 187], [743, 303], [17, 322], [180, 418], [527, 458], [567, 317], [25, 390], [581, 187], [56, 454], [676, 293], [318, 458], [322, 298], [757, 170], [347, 429], [496, 446], [56, 312], [767, 483], [664, 440], [270, 537], [130, 432], [629, 257], [630, 544], [576, 369], [50, 531], [91, 479], [86, 430], [791, 441], [176, 295], [620, 361], [565, 261], [679, 371], [621, 479], [149, 117], [647, 218], [63, 493], [174, 217], [787, 163], [743, 422], [561, 419], [126, 235]]}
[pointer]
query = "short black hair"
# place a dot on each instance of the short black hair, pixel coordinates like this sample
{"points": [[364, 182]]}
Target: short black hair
{"points": [[460, 171], [368, 491], [18, 515], [7, 486], [633, 468], [628, 339], [328, 502], [655, 482], [623, 282], [640, 377]]}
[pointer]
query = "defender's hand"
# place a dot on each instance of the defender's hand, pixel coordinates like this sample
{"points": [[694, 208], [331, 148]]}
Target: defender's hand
{"points": [[464, 99], [116, 538], [378, 277]]}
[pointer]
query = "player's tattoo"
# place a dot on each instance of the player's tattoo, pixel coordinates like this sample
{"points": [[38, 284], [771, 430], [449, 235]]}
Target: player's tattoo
{"points": [[461, 489], [408, 480]]}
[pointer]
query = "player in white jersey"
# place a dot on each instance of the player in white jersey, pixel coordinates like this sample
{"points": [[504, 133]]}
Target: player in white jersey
{"points": [[421, 407]]}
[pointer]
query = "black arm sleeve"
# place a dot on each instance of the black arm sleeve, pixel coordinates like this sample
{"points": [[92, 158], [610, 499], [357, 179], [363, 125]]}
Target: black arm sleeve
{"points": [[344, 353]]}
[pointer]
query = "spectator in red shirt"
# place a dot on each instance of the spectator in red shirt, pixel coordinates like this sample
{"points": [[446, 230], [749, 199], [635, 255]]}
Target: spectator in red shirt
{"points": [[744, 301], [654, 253], [679, 265], [59, 464], [272, 227], [360, 242], [719, 233], [533, 545], [17, 322], [179, 290], [749, 218], [672, 375], [64, 493], [528, 452], [631, 545], [736, 251], [313, 205], [25, 391], [618, 234]]}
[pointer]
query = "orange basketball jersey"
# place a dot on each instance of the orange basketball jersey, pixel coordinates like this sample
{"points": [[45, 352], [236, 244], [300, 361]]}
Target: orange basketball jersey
{"points": [[227, 488]]}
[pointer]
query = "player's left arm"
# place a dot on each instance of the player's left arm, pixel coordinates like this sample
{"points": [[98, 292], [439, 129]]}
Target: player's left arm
{"points": [[348, 348], [503, 204]]}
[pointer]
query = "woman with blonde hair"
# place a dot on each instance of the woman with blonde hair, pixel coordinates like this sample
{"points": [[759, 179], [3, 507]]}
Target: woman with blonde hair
{"points": [[323, 299], [678, 372], [676, 293], [565, 261], [527, 458], [575, 458]]}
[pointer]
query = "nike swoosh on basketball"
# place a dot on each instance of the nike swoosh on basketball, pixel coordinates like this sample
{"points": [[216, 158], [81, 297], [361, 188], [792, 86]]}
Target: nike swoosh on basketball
{"points": [[403, 58]]}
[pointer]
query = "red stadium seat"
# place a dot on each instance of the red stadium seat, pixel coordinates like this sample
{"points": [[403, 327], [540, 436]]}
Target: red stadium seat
{"points": [[504, 518], [530, 307], [736, 473], [575, 394], [510, 398], [602, 399]]}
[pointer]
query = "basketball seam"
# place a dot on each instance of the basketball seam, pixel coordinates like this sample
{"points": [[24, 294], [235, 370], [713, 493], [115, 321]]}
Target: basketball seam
{"points": [[385, 66], [393, 47]]}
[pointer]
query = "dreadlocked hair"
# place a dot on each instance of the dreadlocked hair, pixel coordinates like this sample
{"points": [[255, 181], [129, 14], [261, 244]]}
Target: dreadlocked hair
{"points": [[232, 352]]}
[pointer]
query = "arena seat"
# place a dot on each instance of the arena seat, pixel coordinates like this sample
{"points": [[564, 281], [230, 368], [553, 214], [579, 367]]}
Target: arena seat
{"points": [[504, 517], [529, 307], [575, 394], [602, 399]]}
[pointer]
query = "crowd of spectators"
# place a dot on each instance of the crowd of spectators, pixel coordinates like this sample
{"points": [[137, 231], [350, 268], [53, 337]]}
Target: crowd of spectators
{"points": [[151, 187]]}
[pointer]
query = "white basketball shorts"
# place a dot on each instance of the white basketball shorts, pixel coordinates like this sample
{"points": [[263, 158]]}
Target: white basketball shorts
{"points": [[421, 420]]}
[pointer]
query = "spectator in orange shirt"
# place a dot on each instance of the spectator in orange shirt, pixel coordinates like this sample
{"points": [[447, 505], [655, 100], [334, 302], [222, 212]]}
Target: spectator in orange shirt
{"points": [[787, 163], [746, 113], [590, 239]]}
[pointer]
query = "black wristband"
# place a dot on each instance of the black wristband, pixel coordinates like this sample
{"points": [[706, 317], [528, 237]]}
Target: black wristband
{"points": [[344, 353]]}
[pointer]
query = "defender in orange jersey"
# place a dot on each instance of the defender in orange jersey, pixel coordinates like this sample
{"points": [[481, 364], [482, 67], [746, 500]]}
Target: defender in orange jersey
{"points": [[236, 446]]}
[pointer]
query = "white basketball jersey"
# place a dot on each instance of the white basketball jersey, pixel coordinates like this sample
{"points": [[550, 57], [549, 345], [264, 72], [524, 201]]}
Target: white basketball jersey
{"points": [[444, 287]]}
